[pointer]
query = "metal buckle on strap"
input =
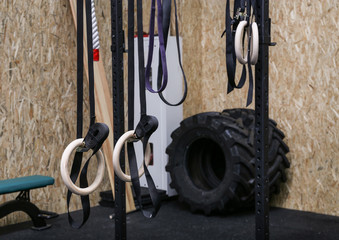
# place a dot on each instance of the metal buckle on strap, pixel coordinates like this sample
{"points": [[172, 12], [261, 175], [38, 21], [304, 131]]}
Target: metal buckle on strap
{"points": [[81, 147], [240, 16], [133, 138]]}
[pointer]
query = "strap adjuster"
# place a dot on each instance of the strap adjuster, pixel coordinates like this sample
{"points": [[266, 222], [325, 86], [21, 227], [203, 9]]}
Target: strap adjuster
{"points": [[146, 126], [96, 135]]}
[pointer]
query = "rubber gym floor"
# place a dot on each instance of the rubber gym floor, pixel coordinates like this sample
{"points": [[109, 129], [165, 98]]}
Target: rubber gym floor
{"points": [[176, 222]]}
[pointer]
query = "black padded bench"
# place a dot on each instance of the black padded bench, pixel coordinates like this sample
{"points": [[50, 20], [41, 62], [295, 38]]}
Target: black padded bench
{"points": [[22, 201]]}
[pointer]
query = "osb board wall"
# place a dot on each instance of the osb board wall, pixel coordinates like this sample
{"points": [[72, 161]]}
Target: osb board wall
{"points": [[304, 100], [303, 89], [38, 72]]}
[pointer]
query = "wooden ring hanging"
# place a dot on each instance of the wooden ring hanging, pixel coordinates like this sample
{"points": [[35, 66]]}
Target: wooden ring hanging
{"points": [[254, 44], [128, 136], [65, 173]]}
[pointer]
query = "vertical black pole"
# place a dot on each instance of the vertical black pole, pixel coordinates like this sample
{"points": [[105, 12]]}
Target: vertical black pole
{"points": [[118, 113], [261, 123]]}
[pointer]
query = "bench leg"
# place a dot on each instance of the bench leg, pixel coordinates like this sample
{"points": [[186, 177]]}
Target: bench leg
{"points": [[27, 207], [47, 215]]}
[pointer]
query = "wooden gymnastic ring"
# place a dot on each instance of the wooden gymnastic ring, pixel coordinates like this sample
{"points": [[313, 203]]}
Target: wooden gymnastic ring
{"points": [[65, 173], [116, 156], [254, 45]]}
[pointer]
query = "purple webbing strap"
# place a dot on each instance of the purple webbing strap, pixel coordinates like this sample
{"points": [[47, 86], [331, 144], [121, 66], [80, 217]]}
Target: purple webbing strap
{"points": [[161, 47]]}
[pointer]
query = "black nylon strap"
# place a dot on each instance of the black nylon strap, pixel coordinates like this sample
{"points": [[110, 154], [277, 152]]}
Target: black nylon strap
{"points": [[249, 67], [80, 67], [141, 59], [242, 5], [166, 5], [97, 132], [78, 155], [231, 26], [83, 175], [142, 130], [254, 7], [130, 148], [230, 52], [130, 42]]}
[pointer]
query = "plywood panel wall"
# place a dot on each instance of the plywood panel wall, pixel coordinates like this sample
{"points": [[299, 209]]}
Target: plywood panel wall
{"points": [[303, 89], [38, 89], [304, 99]]}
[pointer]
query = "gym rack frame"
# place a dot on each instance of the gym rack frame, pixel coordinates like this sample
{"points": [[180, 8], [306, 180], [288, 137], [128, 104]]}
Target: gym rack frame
{"points": [[118, 113], [261, 118], [261, 122]]}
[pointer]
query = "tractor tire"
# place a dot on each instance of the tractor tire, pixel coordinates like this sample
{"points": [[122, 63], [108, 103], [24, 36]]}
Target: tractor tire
{"points": [[278, 149], [211, 160]]}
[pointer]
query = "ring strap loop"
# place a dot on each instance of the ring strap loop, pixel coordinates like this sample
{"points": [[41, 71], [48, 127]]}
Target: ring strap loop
{"points": [[230, 51], [162, 49], [230, 30], [147, 124], [166, 23], [76, 166], [97, 133]]}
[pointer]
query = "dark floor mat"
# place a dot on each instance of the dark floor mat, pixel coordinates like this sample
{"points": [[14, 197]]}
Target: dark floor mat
{"points": [[175, 222]]}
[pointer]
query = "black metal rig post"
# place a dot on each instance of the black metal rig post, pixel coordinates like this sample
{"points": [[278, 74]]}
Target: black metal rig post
{"points": [[261, 122], [118, 113]]}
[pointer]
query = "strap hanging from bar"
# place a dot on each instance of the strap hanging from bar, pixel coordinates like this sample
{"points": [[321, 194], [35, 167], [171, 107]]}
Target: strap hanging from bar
{"points": [[130, 148], [166, 6], [164, 18], [147, 124], [242, 12], [162, 50], [97, 132], [230, 52], [78, 155]]}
